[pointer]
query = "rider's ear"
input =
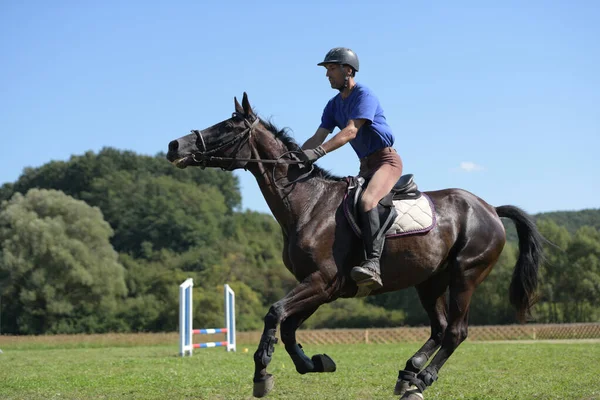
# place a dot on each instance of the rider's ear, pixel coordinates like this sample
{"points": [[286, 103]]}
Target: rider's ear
{"points": [[348, 71], [246, 104], [238, 107]]}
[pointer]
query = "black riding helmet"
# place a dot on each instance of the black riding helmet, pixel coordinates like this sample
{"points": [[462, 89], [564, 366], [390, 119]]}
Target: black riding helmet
{"points": [[341, 55]]}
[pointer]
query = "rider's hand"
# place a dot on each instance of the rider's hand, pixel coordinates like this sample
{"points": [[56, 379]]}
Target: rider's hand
{"points": [[312, 155]]}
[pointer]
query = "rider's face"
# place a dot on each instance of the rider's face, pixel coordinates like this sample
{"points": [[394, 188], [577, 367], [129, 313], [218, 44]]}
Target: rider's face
{"points": [[336, 74]]}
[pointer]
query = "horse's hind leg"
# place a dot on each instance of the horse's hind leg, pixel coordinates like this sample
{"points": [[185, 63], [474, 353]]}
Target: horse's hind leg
{"points": [[308, 295], [318, 362], [461, 291], [432, 294]]}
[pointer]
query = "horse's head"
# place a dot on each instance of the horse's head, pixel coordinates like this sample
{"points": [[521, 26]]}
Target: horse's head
{"points": [[222, 145]]}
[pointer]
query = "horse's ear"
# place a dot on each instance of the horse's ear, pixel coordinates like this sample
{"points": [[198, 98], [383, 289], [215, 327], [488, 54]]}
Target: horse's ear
{"points": [[238, 107], [246, 104]]}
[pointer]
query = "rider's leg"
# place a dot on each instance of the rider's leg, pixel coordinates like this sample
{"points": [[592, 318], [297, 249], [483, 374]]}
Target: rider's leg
{"points": [[380, 184], [382, 181]]}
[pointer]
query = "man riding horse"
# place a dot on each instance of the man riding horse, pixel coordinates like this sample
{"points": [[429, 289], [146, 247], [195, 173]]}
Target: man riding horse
{"points": [[356, 111], [321, 249]]}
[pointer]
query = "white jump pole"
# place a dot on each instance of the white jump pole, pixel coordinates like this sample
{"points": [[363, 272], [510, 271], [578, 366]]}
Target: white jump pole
{"points": [[186, 331]]}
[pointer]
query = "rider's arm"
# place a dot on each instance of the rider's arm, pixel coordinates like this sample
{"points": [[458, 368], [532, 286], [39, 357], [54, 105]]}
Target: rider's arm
{"points": [[317, 139], [344, 136]]}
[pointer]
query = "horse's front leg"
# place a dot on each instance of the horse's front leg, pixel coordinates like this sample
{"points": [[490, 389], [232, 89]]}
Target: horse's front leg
{"points": [[263, 382], [318, 362], [308, 295]]}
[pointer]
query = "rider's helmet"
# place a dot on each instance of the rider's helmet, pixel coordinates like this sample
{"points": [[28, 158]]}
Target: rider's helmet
{"points": [[341, 55]]}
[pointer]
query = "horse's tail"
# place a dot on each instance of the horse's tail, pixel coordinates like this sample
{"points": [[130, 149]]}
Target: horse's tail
{"points": [[525, 276]]}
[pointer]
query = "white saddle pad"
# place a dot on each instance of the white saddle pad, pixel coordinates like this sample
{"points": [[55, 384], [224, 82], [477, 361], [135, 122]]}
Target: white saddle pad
{"points": [[414, 216]]}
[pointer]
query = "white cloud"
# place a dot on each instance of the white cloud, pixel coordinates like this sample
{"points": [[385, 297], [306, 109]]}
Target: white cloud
{"points": [[469, 166]]}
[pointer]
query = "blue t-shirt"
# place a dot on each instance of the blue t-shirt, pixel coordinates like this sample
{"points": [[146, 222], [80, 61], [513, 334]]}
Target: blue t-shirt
{"points": [[362, 103]]}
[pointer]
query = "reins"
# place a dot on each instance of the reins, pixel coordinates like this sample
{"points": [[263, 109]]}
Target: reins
{"points": [[241, 139]]}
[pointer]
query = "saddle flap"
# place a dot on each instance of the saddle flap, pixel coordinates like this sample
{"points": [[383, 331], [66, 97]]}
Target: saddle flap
{"points": [[410, 211]]}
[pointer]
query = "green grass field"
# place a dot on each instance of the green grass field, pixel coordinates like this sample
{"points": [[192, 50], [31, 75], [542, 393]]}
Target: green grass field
{"points": [[68, 370]]}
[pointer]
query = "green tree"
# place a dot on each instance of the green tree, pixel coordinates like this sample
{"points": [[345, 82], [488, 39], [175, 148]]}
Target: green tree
{"points": [[581, 281], [573, 220], [157, 210], [76, 176], [552, 271], [144, 199], [58, 271], [153, 301]]}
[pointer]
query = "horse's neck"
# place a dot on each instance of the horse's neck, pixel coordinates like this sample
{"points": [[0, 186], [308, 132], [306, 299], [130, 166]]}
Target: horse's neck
{"points": [[289, 205]]}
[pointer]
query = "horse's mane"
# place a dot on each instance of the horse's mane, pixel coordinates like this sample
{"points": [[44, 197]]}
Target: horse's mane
{"points": [[290, 143]]}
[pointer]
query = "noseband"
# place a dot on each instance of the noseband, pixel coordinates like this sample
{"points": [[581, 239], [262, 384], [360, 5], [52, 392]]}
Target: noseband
{"points": [[205, 156]]}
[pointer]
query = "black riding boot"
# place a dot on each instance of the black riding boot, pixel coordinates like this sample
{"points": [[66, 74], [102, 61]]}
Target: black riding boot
{"points": [[367, 274]]}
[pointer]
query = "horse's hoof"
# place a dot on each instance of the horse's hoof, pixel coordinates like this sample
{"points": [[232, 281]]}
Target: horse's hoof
{"points": [[261, 388], [412, 393], [401, 388], [323, 363]]}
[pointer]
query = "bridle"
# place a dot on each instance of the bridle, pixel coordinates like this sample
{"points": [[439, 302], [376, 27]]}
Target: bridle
{"points": [[240, 139]]}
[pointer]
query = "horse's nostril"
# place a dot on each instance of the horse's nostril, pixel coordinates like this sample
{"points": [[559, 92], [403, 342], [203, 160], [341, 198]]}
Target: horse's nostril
{"points": [[174, 145]]}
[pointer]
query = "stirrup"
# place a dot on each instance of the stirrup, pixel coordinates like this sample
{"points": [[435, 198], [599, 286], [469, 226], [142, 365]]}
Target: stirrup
{"points": [[365, 276], [373, 283]]}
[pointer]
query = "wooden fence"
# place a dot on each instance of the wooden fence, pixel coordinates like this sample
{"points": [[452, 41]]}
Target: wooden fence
{"points": [[421, 334], [530, 332]]}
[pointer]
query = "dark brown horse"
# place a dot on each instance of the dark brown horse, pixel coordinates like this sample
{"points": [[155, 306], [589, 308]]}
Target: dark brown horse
{"points": [[445, 265]]}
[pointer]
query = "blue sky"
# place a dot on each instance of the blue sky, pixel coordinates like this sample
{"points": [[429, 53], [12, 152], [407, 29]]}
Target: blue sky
{"points": [[499, 98]]}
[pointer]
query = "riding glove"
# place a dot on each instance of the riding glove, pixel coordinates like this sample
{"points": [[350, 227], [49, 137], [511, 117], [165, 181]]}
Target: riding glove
{"points": [[312, 155]]}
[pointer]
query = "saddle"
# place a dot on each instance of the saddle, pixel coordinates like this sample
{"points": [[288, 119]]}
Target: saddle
{"points": [[405, 210]]}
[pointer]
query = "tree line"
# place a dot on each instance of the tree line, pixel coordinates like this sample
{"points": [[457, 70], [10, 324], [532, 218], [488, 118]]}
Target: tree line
{"points": [[101, 242]]}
